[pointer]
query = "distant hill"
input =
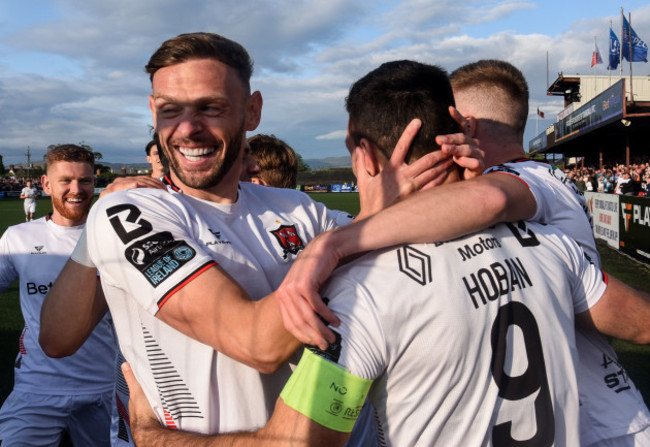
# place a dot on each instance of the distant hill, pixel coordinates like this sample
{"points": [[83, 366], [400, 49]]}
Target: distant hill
{"points": [[330, 162], [132, 168], [129, 167], [314, 164]]}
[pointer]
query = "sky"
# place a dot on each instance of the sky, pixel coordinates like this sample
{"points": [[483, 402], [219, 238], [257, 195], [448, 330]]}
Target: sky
{"points": [[71, 71]]}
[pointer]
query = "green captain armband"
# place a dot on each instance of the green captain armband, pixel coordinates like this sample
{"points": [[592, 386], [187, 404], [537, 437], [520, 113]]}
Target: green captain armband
{"points": [[326, 393]]}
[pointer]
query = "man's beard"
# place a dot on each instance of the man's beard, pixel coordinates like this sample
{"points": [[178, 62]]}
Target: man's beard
{"points": [[218, 172], [76, 214]]}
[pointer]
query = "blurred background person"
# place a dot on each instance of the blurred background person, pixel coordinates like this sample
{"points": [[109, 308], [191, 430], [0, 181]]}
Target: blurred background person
{"points": [[154, 159], [29, 194], [278, 162], [249, 166]]}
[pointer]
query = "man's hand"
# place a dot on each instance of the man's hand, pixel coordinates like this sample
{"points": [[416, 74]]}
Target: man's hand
{"points": [[464, 149], [298, 295], [140, 181], [398, 179], [142, 419]]}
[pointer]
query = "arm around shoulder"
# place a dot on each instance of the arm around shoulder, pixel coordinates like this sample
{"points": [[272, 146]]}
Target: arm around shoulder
{"points": [[286, 427], [215, 310], [622, 312], [443, 213]]}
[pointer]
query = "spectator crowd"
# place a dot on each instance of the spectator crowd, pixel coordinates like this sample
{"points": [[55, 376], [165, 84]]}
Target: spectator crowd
{"points": [[18, 183], [631, 180]]}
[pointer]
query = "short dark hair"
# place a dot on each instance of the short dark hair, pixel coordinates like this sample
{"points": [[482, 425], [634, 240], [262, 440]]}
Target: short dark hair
{"points": [[161, 154], [190, 46], [494, 73], [384, 101], [150, 144], [278, 161], [70, 153]]}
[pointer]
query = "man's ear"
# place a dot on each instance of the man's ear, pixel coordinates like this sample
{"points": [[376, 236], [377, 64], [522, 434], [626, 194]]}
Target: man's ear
{"points": [[152, 107], [370, 160], [45, 183], [254, 110]]}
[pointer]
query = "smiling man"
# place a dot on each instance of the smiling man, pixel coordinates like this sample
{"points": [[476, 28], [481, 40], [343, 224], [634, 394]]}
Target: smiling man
{"points": [[153, 158], [73, 394], [166, 257], [210, 359]]}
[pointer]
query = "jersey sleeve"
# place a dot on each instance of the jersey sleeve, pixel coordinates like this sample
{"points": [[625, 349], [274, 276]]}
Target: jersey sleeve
{"points": [[589, 282], [338, 218], [530, 181], [330, 387], [144, 243], [327, 219], [8, 271], [360, 346]]}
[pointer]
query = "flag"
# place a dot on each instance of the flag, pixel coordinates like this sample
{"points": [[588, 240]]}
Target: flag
{"points": [[639, 47], [595, 57], [540, 113], [614, 51]]}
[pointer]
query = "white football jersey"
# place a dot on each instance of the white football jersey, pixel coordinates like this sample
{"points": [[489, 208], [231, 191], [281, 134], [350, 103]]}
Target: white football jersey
{"points": [[29, 194], [611, 404], [147, 243], [469, 342], [36, 252]]}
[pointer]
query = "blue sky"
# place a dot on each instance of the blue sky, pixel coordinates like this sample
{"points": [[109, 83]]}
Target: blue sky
{"points": [[72, 70]]}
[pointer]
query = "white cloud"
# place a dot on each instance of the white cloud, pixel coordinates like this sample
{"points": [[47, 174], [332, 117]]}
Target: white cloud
{"points": [[76, 73], [336, 135]]}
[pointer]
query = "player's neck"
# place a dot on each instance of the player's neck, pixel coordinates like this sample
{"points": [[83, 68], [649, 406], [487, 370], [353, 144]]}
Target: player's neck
{"points": [[223, 192], [500, 151], [65, 222]]}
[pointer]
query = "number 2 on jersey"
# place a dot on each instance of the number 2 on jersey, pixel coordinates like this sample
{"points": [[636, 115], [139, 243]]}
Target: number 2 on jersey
{"points": [[530, 381]]}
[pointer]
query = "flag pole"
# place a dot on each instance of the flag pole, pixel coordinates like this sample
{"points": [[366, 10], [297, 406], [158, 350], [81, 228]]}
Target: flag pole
{"points": [[610, 46], [596, 65], [620, 55], [629, 41]]}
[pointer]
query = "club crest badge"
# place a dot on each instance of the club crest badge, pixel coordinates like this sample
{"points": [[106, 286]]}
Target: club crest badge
{"points": [[289, 240]]}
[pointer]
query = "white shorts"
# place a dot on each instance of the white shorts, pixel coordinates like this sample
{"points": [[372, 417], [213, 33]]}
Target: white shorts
{"points": [[36, 420], [30, 208]]}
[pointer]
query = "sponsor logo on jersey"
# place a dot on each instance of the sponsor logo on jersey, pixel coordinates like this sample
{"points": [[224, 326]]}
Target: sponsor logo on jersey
{"points": [[616, 380], [39, 250], [470, 251], [415, 264], [158, 256], [217, 235], [38, 289], [289, 240]]}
